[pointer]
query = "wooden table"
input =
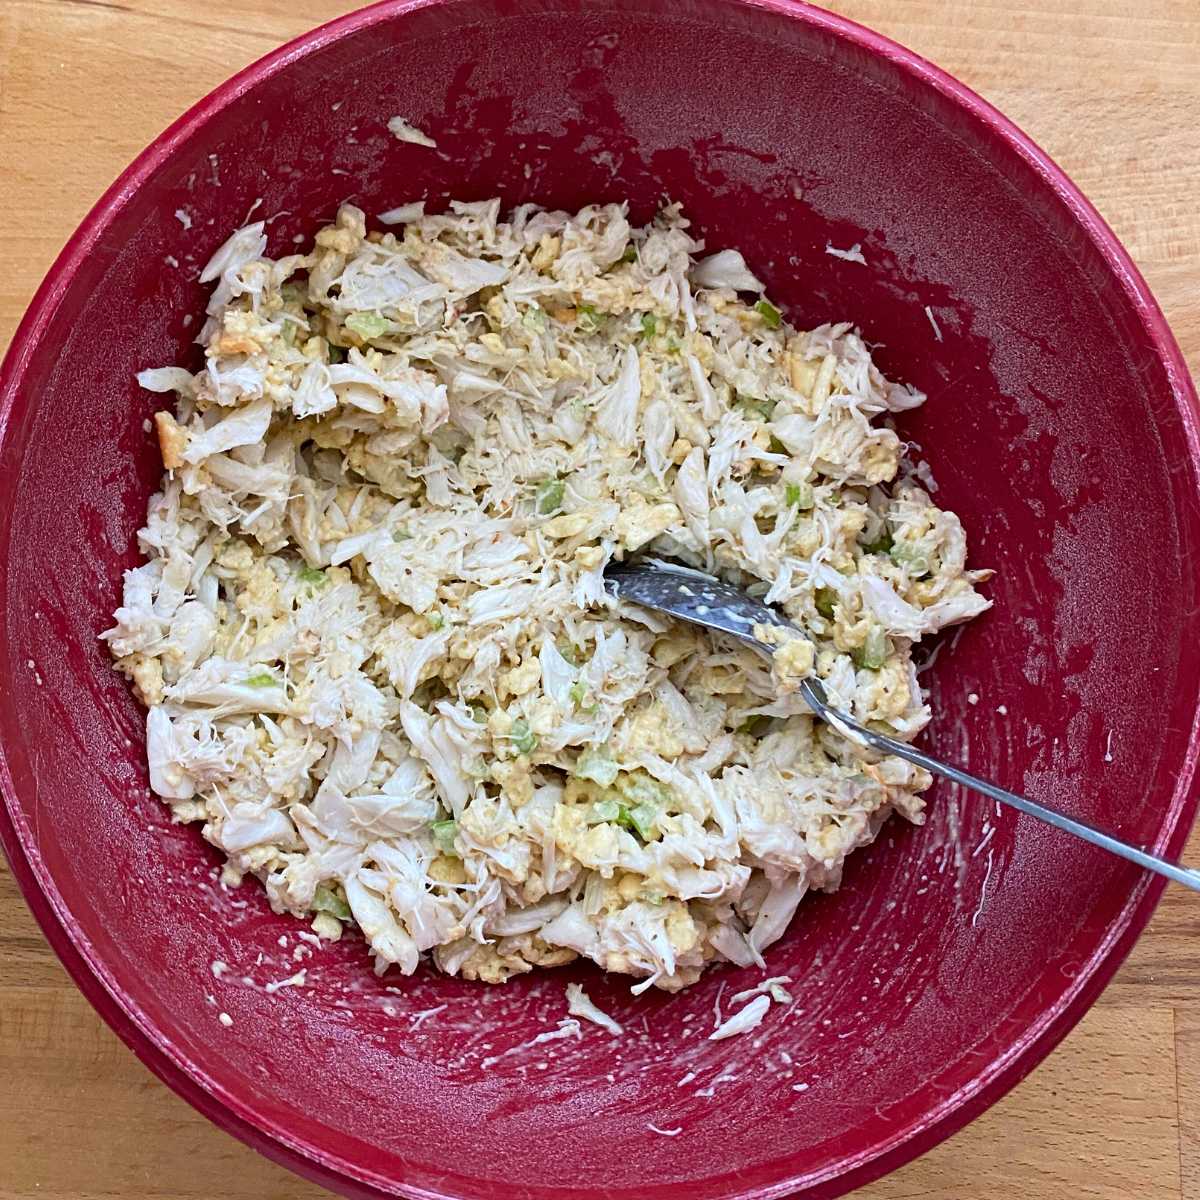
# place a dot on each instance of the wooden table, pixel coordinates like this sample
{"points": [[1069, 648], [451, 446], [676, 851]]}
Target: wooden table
{"points": [[1111, 88]]}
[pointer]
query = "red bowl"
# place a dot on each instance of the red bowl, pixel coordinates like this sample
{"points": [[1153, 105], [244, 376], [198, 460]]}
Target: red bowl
{"points": [[1060, 424]]}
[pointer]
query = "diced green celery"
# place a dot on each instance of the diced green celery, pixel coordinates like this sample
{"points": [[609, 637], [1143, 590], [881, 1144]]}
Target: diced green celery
{"points": [[549, 496], [638, 788], [752, 406], [649, 325], [825, 598], [604, 811], [444, 833], [587, 318], [800, 495], [435, 619], [874, 651], [262, 679], [577, 693], [523, 738], [644, 819], [882, 544], [330, 899], [912, 558], [369, 325], [641, 819], [479, 714], [598, 765], [769, 313], [755, 726], [313, 576], [534, 318]]}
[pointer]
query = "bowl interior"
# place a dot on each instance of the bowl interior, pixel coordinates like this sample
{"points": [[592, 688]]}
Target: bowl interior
{"points": [[953, 955]]}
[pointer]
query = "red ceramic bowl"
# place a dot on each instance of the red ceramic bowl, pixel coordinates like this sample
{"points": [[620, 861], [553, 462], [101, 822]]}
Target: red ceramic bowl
{"points": [[1060, 424]]}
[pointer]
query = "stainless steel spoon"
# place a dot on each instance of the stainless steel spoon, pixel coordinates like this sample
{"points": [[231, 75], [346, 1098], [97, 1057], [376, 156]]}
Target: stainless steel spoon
{"points": [[692, 596]]}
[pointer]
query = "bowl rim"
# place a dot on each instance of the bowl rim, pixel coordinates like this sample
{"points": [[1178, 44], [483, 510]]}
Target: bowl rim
{"points": [[186, 1077]]}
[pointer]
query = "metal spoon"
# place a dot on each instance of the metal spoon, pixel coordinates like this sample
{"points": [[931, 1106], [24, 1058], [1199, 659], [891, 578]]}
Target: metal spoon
{"points": [[693, 596]]}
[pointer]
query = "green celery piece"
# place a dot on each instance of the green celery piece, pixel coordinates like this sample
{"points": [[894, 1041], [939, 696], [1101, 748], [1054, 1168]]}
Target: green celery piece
{"points": [[911, 558], [329, 899], [755, 726], [549, 496], [443, 835], [638, 789], [262, 679], [825, 599], [369, 325], [587, 318], [598, 765], [643, 818], [882, 544], [873, 652], [523, 738], [769, 313], [313, 576], [605, 811], [800, 495], [753, 406]]}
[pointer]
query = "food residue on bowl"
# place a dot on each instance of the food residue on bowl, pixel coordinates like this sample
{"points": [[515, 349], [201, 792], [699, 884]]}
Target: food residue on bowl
{"points": [[403, 131]]}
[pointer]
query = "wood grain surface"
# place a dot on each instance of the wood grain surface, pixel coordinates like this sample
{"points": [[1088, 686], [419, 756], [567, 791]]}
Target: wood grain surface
{"points": [[1111, 88]]}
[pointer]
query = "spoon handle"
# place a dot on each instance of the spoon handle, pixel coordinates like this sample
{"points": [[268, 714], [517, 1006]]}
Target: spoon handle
{"points": [[1089, 833]]}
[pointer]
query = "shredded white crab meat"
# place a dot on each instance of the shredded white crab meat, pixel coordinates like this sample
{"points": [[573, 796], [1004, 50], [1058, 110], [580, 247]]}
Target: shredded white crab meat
{"points": [[743, 1020], [854, 254], [580, 1004], [371, 628], [773, 986], [404, 131]]}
